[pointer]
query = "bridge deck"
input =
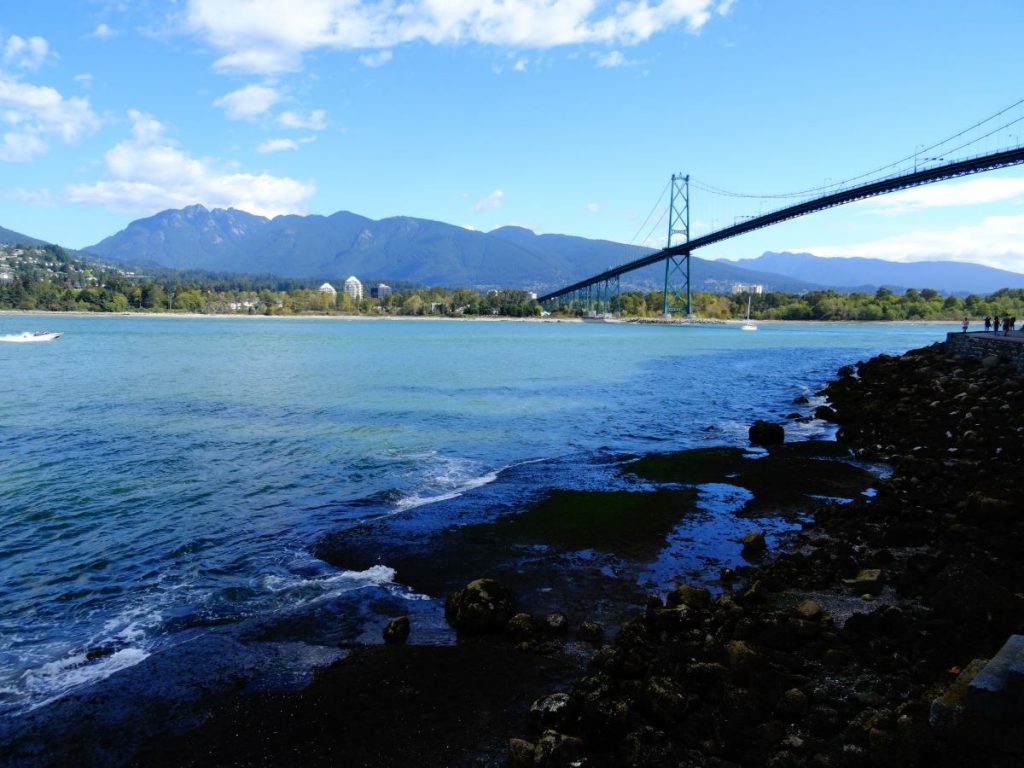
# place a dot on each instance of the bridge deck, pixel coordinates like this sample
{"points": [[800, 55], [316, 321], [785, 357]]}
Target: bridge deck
{"points": [[1001, 159]]}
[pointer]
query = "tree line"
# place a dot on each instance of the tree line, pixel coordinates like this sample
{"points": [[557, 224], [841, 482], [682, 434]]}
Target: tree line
{"points": [[49, 278], [883, 304]]}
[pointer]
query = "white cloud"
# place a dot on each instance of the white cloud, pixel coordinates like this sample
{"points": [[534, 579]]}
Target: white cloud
{"points": [[104, 32], [85, 79], [257, 36], [249, 102], [277, 145], [998, 241], [314, 121], [378, 59], [975, 191], [492, 200], [25, 53], [149, 173], [282, 145], [36, 114], [593, 207], [40, 197], [520, 65], [614, 59]]}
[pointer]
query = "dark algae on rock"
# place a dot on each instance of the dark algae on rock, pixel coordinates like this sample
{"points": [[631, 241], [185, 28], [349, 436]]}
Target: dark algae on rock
{"points": [[856, 645]]}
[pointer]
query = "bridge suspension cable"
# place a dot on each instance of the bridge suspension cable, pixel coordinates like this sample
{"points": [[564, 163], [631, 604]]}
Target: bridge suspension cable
{"points": [[656, 206], [712, 189]]}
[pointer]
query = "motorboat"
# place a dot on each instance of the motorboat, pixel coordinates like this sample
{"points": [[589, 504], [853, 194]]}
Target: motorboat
{"points": [[28, 336]]}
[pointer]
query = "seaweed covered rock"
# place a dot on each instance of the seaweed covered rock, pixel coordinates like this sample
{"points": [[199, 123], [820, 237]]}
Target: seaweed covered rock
{"points": [[483, 605]]}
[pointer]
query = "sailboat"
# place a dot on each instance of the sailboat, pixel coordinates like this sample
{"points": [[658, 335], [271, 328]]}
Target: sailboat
{"points": [[747, 325]]}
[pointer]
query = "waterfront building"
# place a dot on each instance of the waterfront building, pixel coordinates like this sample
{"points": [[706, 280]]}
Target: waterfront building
{"points": [[754, 288], [380, 290], [354, 288]]}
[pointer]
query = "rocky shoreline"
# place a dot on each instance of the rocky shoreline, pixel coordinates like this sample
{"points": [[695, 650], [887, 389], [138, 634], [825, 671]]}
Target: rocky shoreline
{"points": [[848, 643], [855, 647]]}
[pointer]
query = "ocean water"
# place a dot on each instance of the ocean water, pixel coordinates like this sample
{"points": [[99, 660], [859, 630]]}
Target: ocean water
{"points": [[160, 476]]}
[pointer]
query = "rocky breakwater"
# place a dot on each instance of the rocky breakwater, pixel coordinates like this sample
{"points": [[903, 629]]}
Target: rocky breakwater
{"points": [[854, 647]]}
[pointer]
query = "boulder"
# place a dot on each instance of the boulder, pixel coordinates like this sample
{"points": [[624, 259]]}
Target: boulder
{"points": [[591, 632], [555, 624], [869, 581], [691, 597], [520, 753], [554, 711], [483, 605], [397, 631], [809, 610], [767, 433], [554, 748], [754, 543], [522, 627], [740, 656]]}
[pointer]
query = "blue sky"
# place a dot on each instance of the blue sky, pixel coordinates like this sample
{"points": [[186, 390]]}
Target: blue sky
{"points": [[562, 116]]}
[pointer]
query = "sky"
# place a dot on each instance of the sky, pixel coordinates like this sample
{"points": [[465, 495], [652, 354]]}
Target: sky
{"points": [[562, 116]]}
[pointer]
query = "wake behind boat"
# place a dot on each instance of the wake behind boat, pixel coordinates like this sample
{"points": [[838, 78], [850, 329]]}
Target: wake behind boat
{"points": [[27, 336]]}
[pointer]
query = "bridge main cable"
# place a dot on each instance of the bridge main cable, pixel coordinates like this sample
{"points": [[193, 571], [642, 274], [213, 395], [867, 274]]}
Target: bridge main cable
{"points": [[989, 162]]}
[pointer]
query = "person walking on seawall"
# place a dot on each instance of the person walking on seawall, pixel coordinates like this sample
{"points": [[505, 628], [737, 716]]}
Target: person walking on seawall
{"points": [[995, 323], [964, 324], [1006, 325], [988, 323]]}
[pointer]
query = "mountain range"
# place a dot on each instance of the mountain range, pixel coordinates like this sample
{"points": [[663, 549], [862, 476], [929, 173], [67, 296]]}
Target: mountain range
{"points": [[859, 273], [10, 237], [428, 252], [399, 248]]}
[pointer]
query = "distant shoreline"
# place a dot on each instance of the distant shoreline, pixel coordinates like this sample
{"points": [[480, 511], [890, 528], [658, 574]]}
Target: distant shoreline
{"points": [[473, 318]]}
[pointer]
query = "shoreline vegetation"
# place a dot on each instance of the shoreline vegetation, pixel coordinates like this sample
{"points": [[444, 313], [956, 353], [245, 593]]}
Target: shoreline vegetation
{"points": [[48, 278], [850, 642]]}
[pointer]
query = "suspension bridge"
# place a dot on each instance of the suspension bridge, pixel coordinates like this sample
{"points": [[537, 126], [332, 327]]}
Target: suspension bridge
{"points": [[598, 293]]}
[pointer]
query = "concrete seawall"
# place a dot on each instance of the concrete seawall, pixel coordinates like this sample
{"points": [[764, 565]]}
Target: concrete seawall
{"points": [[979, 344]]}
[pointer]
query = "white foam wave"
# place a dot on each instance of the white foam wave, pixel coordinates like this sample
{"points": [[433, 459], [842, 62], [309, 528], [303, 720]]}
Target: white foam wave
{"points": [[56, 678], [410, 502], [454, 477], [330, 584]]}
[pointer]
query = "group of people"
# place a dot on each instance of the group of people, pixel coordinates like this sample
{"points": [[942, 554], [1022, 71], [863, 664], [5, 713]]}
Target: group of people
{"points": [[1008, 324], [993, 324]]}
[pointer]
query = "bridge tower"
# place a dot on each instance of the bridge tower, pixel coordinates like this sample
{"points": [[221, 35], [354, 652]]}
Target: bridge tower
{"points": [[677, 268]]}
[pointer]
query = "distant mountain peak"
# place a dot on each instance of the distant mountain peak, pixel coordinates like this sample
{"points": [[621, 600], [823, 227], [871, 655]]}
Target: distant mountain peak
{"points": [[512, 229]]}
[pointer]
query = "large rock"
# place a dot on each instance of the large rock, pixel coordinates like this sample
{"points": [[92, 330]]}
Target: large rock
{"points": [[690, 596], [397, 631], [754, 543], [481, 606], [553, 711], [766, 433]]}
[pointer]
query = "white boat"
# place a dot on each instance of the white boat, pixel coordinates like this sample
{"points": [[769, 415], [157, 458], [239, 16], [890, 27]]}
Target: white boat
{"points": [[28, 336], [748, 326]]}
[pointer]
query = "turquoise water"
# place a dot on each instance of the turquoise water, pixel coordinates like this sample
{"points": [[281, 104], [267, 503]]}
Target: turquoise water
{"points": [[163, 474]]}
